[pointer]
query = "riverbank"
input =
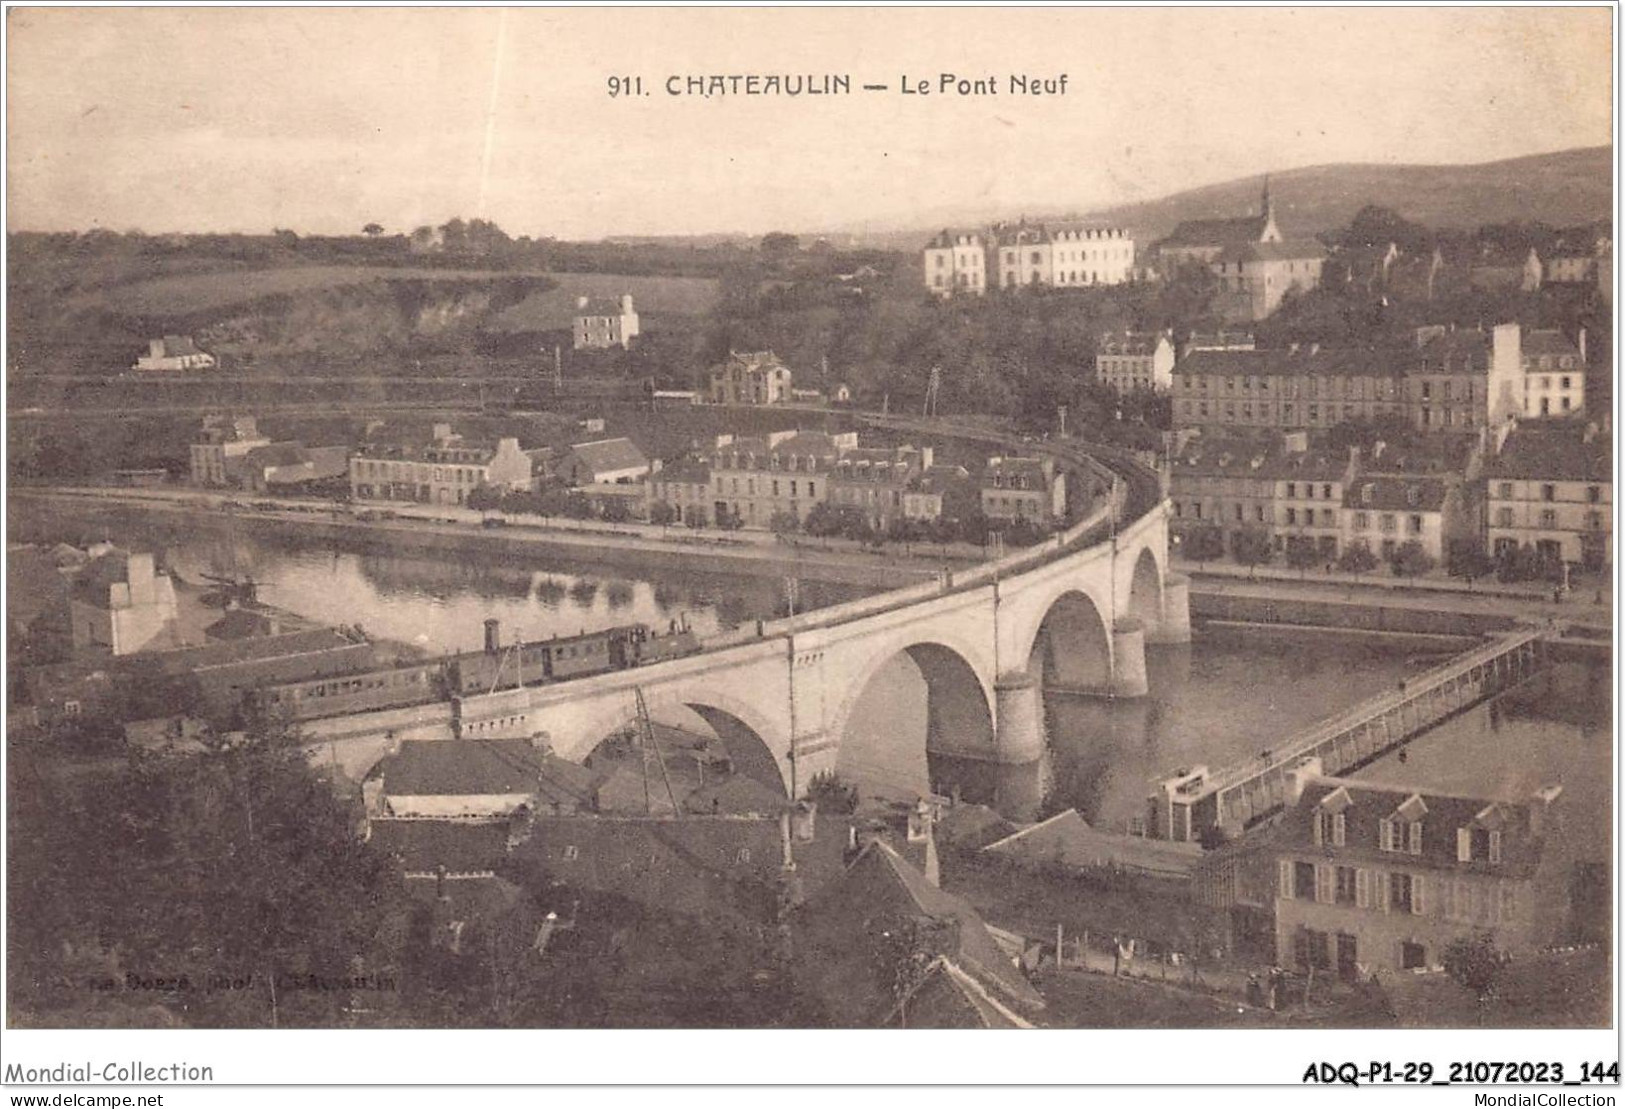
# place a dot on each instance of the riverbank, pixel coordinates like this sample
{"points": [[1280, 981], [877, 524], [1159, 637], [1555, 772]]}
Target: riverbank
{"points": [[601, 544]]}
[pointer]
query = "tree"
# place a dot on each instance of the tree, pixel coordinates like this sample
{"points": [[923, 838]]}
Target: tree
{"points": [[577, 505], [1357, 558], [1251, 547], [832, 793], [1475, 963], [373, 230], [783, 523], [484, 498], [728, 519], [661, 513], [779, 242], [1203, 543], [1301, 552], [616, 511], [1465, 558], [1410, 560]]}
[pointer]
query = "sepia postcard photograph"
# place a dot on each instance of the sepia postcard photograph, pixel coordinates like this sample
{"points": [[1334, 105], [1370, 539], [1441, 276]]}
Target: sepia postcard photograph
{"points": [[651, 520]]}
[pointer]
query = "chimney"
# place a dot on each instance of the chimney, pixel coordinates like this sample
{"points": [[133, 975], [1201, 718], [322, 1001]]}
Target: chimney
{"points": [[626, 304], [493, 636], [1292, 348], [804, 821], [1540, 809], [442, 431], [1314, 348], [581, 303], [1300, 776]]}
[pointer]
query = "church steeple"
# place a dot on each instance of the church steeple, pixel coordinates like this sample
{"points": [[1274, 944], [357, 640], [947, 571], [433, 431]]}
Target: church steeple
{"points": [[1268, 207]]}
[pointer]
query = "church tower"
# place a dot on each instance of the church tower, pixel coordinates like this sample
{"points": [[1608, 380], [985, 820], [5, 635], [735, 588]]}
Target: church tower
{"points": [[1269, 232]]}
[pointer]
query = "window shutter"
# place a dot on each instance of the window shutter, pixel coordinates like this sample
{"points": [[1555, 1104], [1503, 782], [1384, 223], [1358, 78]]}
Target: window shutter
{"points": [[1339, 830], [1385, 835], [1382, 890], [1464, 845], [1418, 905], [1317, 830], [1415, 829], [1362, 888], [1286, 879], [1495, 847], [1325, 884]]}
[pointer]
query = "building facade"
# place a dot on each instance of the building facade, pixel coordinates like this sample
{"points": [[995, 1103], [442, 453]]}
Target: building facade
{"points": [[1014, 256], [685, 488], [173, 353], [1552, 489], [220, 442], [1030, 490], [122, 604], [1130, 360], [1554, 373], [602, 324], [789, 472], [1376, 878], [874, 482], [443, 471], [755, 378], [1255, 265]]}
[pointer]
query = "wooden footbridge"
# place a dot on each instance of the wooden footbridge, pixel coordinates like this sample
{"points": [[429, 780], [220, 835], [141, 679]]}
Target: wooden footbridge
{"points": [[1235, 797]]}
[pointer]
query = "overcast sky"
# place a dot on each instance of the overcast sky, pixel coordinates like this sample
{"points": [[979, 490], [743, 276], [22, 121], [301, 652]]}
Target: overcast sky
{"points": [[325, 119]]}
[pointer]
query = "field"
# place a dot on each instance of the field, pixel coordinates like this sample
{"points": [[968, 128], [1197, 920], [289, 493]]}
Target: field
{"points": [[194, 293], [654, 296]]}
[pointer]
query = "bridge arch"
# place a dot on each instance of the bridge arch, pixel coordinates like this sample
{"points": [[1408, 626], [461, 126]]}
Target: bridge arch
{"points": [[1070, 649], [958, 713], [1145, 601], [754, 741]]}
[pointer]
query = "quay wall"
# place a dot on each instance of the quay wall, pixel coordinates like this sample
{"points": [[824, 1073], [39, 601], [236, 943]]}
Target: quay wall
{"points": [[1347, 615]]}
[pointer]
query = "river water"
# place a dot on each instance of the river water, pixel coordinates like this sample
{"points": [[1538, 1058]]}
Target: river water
{"points": [[1230, 694]]}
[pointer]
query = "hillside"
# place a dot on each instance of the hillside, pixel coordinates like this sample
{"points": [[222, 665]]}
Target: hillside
{"points": [[1563, 189]]}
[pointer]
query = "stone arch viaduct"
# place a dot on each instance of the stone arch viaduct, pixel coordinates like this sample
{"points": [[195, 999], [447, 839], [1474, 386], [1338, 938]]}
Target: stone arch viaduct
{"points": [[1073, 614]]}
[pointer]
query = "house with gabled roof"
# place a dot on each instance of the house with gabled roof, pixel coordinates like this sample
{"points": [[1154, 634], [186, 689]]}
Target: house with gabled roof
{"points": [[603, 462], [1255, 264], [1373, 876], [882, 911]]}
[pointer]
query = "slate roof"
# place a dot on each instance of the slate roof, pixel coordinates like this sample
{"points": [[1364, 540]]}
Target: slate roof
{"points": [[1557, 454], [599, 306], [608, 455], [879, 886], [1306, 466], [1385, 493], [1365, 805], [1287, 250], [461, 767], [739, 795], [1368, 361], [1068, 839], [239, 623], [1548, 341], [1140, 343], [275, 454], [948, 997], [684, 472], [1218, 232], [99, 575], [461, 846]]}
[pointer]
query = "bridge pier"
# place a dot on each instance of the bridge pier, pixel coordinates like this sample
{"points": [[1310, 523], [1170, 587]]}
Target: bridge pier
{"points": [[1019, 734], [1128, 659], [1175, 625]]}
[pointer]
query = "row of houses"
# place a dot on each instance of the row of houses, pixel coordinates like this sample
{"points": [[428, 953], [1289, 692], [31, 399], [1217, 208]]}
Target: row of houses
{"points": [[1448, 379], [786, 475], [1012, 256], [1542, 484]]}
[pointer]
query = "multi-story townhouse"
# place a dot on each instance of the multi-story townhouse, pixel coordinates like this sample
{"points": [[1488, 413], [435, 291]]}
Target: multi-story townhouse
{"points": [[1554, 373], [942, 492], [1021, 255], [1130, 360], [1464, 379], [874, 482], [1025, 489], [1223, 484], [1552, 488], [788, 472], [1298, 388], [685, 487], [1385, 511], [1381, 878], [1308, 499], [957, 262], [442, 471], [754, 378]]}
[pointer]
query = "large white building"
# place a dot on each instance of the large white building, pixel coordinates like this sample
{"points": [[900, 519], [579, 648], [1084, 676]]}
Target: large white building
{"points": [[1551, 488], [443, 471], [1013, 256], [601, 324]]}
